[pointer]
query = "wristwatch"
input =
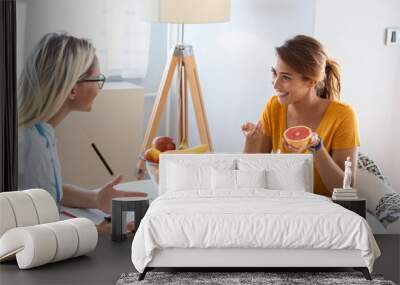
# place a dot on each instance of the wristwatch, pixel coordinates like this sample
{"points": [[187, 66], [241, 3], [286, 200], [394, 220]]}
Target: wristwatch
{"points": [[316, 147]]}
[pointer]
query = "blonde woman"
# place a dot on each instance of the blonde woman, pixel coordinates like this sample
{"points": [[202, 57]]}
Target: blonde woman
{"points": [[61, 75], [307, 86]]}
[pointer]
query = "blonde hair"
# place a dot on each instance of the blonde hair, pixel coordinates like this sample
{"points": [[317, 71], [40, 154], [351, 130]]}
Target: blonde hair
{"points": [[53, 68], [307, 56]]}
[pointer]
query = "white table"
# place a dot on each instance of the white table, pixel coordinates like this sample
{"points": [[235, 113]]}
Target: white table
{"points": [[97, 216], [146, 186]]}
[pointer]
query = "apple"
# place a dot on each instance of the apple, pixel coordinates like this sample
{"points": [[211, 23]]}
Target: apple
{"points": [[152, 154], [163, 143]]}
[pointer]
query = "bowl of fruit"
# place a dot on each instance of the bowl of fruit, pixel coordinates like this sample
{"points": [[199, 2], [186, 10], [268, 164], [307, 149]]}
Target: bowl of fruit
{"points": [[166, 145], [152, 155]]}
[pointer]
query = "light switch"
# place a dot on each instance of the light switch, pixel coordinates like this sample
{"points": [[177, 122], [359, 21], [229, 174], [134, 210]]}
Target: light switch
{"points": [[392, 36]]}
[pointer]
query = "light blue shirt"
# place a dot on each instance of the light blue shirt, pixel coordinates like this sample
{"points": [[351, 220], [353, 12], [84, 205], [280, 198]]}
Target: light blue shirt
{"points": [[38, 162]]}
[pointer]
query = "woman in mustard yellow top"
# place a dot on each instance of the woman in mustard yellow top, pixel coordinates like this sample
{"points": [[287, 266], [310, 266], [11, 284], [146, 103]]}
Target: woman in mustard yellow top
{"points": [[307, 86]]}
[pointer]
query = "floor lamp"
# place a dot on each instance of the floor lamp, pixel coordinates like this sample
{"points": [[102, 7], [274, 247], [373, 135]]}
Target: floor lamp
{"points": [[182, 61]]}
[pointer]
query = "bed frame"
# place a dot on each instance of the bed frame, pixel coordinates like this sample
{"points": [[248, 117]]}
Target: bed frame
{"points": [[248, 259]]}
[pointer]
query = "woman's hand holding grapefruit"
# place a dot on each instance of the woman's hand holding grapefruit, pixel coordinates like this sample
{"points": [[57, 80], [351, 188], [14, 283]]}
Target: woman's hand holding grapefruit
{"points": [[313, 141]]}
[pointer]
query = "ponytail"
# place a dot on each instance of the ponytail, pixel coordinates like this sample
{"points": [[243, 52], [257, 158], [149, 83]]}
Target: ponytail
{"points": [[331, 86]]}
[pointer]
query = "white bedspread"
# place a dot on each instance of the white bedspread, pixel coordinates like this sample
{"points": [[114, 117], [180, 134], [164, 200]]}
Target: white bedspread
{"points": [[250, 219]]}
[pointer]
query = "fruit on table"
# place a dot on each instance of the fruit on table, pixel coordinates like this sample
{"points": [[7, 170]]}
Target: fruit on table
{"points": [[298, 136], [196, 149], [152, 154], [163, 143]]}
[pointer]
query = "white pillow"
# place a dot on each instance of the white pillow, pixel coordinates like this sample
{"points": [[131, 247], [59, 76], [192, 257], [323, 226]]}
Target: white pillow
{"points": [[237, 179], [375, 225], [183, 177], [223, 179], [284, 172], [371, 188], [291, 179], [381, 198], [251, 178]]}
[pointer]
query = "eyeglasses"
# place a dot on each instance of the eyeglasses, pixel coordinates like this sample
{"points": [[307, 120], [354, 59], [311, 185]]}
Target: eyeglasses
{"points": [[100, 80]]}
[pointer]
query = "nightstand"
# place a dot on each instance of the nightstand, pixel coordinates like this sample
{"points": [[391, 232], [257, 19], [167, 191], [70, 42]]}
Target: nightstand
{"points": [[357, 205]]}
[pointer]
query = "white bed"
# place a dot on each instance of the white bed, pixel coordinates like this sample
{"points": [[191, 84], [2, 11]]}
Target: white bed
{"points": [[204, 219]]}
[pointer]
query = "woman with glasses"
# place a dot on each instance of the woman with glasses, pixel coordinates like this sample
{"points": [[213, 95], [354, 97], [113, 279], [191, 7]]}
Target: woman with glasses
{"points": [[61, 75]]}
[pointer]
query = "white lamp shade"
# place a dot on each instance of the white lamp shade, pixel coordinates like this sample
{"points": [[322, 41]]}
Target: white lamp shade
{"points": [[187, 11]]}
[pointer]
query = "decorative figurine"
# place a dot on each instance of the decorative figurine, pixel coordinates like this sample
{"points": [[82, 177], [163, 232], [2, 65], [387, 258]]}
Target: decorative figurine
{"points": [[347, 174]]}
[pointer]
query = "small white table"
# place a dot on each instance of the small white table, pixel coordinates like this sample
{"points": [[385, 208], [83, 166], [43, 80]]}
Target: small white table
{"points": [[146, 186]]}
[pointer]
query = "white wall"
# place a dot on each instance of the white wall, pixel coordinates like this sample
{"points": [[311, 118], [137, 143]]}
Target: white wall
{"points": [[36, 18], [354, 32], [80, 18], [234, 61]]}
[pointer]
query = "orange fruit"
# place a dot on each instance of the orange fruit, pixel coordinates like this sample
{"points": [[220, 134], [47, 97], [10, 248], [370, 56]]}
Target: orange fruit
{"points": [[152, 154]]}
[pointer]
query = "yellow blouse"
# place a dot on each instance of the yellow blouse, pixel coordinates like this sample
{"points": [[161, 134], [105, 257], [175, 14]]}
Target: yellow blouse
{"points": [[338, 129]]}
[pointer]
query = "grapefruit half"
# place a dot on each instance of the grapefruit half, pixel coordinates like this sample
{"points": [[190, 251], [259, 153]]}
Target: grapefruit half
{"points": [[298, 136]]}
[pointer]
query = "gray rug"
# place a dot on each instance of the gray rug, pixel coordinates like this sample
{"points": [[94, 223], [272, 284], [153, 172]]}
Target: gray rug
{"points": [[229, 278]]}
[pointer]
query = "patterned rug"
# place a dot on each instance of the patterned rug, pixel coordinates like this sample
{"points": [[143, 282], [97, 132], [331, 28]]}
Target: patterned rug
{"points": [[269, 278]]}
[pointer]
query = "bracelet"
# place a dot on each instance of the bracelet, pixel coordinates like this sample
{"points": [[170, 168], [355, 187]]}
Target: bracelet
{"points": [[316, 147]]}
